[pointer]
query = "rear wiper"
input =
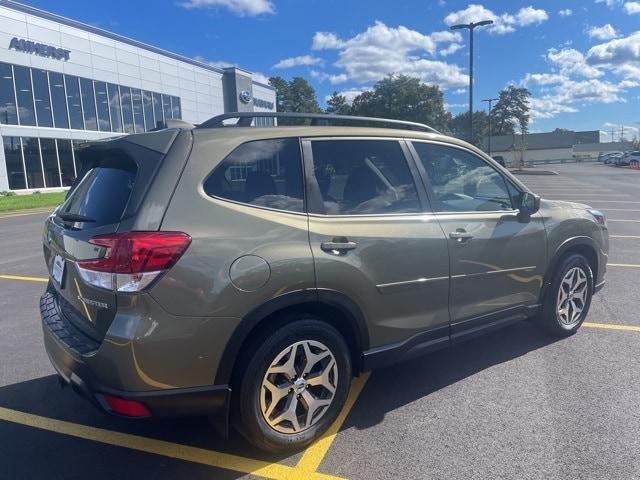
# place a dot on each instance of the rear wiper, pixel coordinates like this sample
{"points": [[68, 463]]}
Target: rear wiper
{"points": [[74, 217]]}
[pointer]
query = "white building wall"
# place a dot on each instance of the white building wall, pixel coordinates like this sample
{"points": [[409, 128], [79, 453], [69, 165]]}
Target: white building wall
{"points": [[103, 58], [552, 154]]}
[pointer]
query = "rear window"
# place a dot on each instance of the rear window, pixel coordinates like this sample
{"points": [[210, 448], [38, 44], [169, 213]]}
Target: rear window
{"points": [[102, 194]]}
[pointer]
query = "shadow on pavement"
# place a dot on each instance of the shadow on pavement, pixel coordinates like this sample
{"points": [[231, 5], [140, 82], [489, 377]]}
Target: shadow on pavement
{"points": [[393, 387], [389, 389]]}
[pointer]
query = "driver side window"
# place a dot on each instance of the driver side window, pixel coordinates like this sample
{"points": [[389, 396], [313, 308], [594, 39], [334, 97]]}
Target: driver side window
{"points": [[462, 182]]}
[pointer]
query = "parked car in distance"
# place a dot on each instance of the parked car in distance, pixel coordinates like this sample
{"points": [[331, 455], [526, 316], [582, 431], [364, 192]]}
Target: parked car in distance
{"points": [[603, 156], [626, 159], [611, 159], [248, 274]]}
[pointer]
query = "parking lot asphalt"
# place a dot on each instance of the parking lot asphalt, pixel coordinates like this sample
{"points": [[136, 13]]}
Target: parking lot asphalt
{"points": [[512, 404]]}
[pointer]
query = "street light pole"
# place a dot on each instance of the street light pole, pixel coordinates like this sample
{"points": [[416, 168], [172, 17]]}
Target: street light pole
{"points": [[471, 26], [489, 100]]}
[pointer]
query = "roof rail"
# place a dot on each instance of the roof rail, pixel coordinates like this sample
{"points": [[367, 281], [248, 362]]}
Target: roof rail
{"points": [[246, 118]]}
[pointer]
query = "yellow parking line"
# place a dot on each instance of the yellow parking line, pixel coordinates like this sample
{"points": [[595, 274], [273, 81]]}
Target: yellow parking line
{"points": [[24, 278], [626, 265], [612, 326], [314, 455], [160, 447]]}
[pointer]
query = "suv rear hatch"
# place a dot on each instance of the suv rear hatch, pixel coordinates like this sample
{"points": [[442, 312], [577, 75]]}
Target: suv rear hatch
{"points": [[89, 233]]}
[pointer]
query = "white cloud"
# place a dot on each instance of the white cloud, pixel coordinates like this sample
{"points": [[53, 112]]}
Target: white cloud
{"points": [[333, 79], [571, 61], [609, 3], [459, 91], [622, 55], [298, 61], [605, 32], [249, 8], [381, 50], [565, 12], [452, 48], [503, 23], [568, 93], [632, 7], [543, 78], [326, 41]]}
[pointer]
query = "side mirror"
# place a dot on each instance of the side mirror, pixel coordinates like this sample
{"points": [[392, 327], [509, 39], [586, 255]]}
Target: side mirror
{"points": [[529, 203]]}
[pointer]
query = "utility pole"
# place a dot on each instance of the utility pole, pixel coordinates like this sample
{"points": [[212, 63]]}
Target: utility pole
{"points": [[489, 100], [471, 26]]}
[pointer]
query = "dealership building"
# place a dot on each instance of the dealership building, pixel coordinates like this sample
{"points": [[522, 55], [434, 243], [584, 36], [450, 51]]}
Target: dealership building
{"points": [[63, 82]]}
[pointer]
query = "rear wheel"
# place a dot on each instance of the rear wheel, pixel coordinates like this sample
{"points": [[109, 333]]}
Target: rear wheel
{"points": [[294, 385], [568, 299]]}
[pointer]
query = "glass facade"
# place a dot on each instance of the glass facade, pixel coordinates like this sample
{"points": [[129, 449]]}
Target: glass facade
{"points": [[40, 162], [24, 94], [35, 97], [8, 112], [58, 100], [41, 97]]}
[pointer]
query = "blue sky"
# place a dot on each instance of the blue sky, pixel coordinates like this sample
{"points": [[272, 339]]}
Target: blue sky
{"points": [[580, 59]]}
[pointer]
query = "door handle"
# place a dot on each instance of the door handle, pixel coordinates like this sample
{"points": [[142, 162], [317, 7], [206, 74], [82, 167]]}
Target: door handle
{"points": [[460, 235], [338, 246]]}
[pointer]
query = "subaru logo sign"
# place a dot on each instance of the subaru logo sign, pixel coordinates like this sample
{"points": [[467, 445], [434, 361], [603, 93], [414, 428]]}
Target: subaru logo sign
{"points": [[245, 96]]}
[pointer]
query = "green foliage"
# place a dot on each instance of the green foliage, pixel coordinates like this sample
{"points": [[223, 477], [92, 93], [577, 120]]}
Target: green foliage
{"points": [[11, 201], [403, 98], [511, 111], [459, 126], [337, 104], [295, 95]]}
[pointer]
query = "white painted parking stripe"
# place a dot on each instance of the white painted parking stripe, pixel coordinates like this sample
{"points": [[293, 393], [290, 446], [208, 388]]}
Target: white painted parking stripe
{"points": [[635, 237]]}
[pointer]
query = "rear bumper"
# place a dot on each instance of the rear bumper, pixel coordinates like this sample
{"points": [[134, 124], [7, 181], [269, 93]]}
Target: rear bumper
{"points": [[70, 353]]}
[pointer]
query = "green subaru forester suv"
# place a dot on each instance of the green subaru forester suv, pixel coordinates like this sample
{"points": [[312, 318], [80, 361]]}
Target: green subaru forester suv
{"points": [[249, 273]]}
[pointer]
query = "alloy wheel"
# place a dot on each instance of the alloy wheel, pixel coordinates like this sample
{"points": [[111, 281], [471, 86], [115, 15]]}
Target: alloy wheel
{"points": [[572, 296], [298, 387]]}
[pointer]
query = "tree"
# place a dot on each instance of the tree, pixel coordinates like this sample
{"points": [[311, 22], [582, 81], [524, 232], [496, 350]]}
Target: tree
{"points": [[403, 98], [295, 95], [459, 126], [337, 103], [511, 111], [282, 91]]}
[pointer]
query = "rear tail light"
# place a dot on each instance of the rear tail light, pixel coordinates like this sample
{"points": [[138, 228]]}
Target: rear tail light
{"points": [[128, 408], [131, 261]]}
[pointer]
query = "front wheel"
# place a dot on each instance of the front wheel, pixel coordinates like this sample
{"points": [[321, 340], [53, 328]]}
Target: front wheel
{"points": [[294, 386], [568, 299]]}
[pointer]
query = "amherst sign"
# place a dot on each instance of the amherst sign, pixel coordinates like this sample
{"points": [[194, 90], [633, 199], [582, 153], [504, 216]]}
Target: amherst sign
{"points": [[27, 46]]}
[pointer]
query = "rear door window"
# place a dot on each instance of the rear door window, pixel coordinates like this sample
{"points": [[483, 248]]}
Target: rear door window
{"points": [[264, 173], [363, 177]]}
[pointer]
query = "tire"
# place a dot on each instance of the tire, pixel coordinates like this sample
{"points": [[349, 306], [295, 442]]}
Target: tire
{"points": [[332, 368], [563, 313]]}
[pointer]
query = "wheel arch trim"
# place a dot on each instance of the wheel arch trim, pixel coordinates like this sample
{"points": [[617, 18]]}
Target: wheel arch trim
{"points": [[312, 296], [563, 248]]}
